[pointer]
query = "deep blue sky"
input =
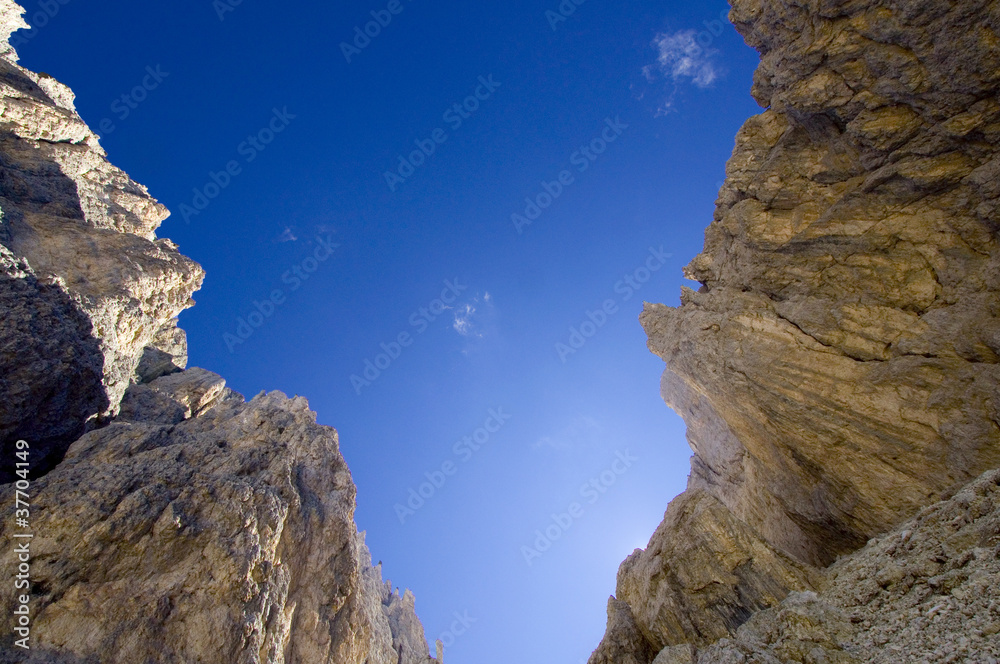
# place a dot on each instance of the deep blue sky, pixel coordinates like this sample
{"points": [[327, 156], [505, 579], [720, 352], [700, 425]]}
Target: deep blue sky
{"points": [[323, 176]]}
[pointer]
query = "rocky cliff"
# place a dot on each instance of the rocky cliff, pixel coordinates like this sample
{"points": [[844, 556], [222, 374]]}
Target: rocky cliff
{"points": [[838, 368], [172, 520]]}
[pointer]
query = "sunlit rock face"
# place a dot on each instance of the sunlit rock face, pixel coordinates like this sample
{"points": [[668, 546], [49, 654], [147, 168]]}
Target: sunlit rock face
{"points": [[838, 368], [85, 283], [203, 528], [173, 521]]}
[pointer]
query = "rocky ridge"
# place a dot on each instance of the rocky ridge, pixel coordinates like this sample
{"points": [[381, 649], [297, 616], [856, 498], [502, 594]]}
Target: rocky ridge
{"points": [[838, 368], [85, 285], [173, 520]]}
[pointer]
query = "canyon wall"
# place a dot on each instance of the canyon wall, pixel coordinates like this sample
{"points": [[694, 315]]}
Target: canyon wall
{"points": [[173, 521], [838, 368]]}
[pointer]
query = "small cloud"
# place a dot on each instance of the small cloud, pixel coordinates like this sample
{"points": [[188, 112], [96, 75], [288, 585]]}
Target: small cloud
{"points": [[463, 319], [475, 318], [287, 236], [682, 57]]}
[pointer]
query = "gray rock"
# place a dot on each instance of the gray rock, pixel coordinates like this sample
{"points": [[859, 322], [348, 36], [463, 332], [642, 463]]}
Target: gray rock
{"points": [[173, 398], [226, 537], [51, 366], [175, 523], [166, 354], [684, 654], [83, 232]]}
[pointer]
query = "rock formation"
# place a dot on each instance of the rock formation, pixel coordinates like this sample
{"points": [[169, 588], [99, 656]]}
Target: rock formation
{"points": [[838, 368], [85, 284], [172, 520], [924, 592]]}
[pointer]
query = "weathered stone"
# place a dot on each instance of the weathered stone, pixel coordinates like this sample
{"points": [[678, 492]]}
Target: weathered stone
{"points": [[173, 398], [51, 365], [684, 654], [838, 368], [703, 574], [224, 537], [167, 353], [625, 642], [192, 527], [76, 224], [925, 592]]}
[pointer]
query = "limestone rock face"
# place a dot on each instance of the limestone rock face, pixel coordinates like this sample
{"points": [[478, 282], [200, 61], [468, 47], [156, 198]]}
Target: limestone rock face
{"points": [[78, 229], [924, 592], [625, 642], [172, 520], [703, 574], [206, 529], [838, 368]]}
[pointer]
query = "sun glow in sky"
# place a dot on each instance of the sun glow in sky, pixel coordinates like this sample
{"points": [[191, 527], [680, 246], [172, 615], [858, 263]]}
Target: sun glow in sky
{"points": [[442, 235]]}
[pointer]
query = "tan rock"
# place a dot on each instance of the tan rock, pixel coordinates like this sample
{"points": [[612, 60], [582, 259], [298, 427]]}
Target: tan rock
{"points": [[838, 368], [703, 574]]}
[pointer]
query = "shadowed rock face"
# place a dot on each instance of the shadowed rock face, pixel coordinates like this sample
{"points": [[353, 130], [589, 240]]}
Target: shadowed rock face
{"points": [[78, 230], [173, 522], [838, 368], [924, 592], [49, 388]]}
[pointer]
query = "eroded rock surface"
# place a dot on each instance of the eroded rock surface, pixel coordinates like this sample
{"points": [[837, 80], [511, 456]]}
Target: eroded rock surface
{"points": [[82, 231], [924, 592], [206, 529], [703, 574], [838, 368], [172, 520]]}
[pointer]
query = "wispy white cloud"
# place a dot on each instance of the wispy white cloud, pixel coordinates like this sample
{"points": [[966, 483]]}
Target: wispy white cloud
{"points": [[681, 57], [463, 319], [288, 235], [467, 316]]}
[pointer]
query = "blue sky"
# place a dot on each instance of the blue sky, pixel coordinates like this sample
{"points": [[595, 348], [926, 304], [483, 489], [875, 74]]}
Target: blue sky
{"points": [[484, 263]]}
